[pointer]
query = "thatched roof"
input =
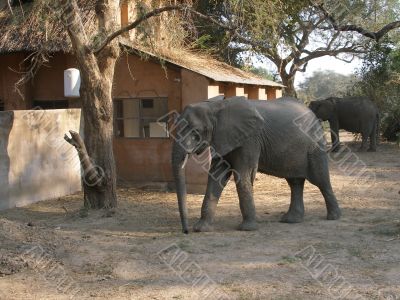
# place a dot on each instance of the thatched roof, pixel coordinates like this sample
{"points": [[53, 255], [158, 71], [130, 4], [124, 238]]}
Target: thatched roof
{"points": [[32, 28], [205, 65]]}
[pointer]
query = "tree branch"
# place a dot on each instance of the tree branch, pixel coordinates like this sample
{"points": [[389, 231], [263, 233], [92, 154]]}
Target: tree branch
{"points": [[320, 53], [377, 35], [232, 29], [136, 23], [91, 175]]}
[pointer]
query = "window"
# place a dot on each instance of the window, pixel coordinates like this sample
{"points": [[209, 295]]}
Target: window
{"points": [[51, 104], [137, 118]]}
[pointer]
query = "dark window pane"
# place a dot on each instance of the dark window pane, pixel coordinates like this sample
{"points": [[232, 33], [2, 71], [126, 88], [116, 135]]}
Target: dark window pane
{"points": [[61, 104], [147, 103], [160, 108], [51, 104], [119, 128], [118, 109]]}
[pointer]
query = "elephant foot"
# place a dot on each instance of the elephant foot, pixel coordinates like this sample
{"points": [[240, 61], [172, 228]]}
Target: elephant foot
{"points": [[248, 225], [202, 226], [334, 214], [292, 217]]}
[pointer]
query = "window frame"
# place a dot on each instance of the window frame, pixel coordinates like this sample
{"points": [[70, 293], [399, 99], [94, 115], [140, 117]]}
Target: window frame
{"points": [[140, 118]]}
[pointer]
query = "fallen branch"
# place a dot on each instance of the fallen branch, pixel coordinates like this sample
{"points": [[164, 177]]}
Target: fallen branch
{"points": [[93, 175]]}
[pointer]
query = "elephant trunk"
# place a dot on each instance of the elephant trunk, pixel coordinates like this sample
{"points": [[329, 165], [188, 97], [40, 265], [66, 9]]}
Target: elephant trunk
{"points": [[179, 158]]}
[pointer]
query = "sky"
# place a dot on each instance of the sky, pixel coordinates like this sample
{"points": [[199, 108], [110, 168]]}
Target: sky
{"points": [[320, 64], [328, 63]]}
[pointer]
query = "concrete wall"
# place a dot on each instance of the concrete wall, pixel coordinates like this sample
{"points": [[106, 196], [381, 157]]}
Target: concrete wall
{"points": [[35, 162]]}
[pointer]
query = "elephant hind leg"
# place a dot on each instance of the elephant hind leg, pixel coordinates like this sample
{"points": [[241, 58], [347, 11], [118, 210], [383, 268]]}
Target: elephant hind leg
{"points": [[319, 176], [296, 208], [364, 141], [373, 139]]}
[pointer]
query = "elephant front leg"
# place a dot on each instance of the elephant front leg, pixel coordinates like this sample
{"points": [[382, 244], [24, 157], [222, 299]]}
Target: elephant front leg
{"points": [[296, 208], [217, 180], [244, 186]]}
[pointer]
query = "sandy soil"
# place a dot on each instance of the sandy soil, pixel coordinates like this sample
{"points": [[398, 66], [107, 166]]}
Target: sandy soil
{"points": [[56, 250]]}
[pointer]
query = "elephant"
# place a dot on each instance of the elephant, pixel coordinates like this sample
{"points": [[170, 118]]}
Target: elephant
{"points": [[245, 136], [353, 114]]}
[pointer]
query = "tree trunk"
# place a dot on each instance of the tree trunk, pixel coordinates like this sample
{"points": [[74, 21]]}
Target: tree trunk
{"points": [[99, 144], [96, 153], [97, 74], [288, 82]]}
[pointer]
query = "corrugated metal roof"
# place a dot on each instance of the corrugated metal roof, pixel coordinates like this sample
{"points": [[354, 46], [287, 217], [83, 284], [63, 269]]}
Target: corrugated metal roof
{"points": [[207, 66]]}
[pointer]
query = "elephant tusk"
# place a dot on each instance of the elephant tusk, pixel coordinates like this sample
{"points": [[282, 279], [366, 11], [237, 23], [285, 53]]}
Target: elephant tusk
{"points": [[185, 161]]}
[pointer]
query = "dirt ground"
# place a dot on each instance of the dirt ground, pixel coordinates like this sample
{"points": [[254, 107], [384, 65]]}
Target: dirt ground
{"points": [[56, 250]]}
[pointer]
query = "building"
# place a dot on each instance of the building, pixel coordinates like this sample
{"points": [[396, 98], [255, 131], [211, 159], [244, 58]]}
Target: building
{"points": [[145, 88]]}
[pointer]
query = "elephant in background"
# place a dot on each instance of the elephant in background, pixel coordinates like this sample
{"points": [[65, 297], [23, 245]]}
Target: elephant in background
{"points": [[246, 137], [353, 114]]}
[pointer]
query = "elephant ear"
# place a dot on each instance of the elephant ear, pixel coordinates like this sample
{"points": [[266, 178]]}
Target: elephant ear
{"points": [[237, 120]]}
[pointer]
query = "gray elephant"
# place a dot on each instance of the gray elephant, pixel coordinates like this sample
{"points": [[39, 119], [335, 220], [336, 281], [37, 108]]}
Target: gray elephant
{"points": [[354, 114], [273, 137]]}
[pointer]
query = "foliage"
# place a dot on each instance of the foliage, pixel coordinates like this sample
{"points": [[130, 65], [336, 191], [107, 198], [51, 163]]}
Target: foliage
{"points": [[214, 39], [260, 71], [291, 33], [380, 81], [324, 84]]}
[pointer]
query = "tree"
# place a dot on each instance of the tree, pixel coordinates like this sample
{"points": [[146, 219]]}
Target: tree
{"points": [[324, 84], [292, 33], [96, 57], [97, 63], [379, 76], [260, 71]]}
